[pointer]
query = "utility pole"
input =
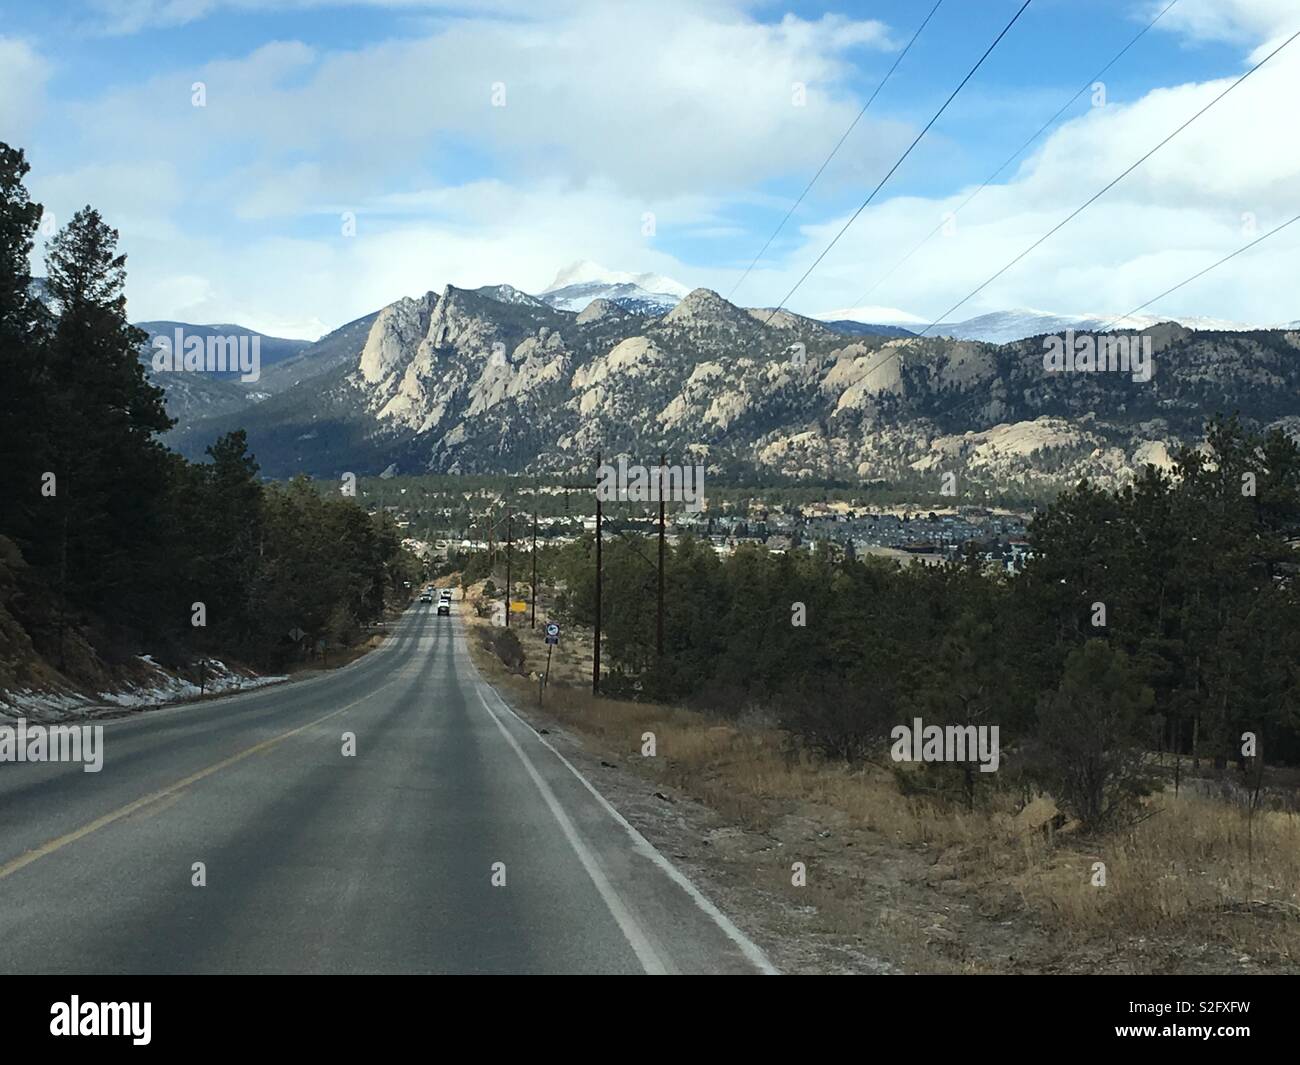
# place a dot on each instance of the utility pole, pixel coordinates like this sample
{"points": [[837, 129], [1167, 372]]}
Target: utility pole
{"points": [[595, 649], [509, 555], [659, 622], [63, 588], [533, 623]]}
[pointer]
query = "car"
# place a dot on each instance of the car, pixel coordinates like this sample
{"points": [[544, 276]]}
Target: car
{"points": [[426, 598], [444, 607], [445, 593]]}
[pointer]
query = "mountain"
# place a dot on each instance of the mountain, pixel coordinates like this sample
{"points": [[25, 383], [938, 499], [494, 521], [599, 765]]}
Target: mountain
{"points": [[579, 283], [866, 329], [272, 350], [463, 381], [193, 396], [190, 395], [1004, 327]]}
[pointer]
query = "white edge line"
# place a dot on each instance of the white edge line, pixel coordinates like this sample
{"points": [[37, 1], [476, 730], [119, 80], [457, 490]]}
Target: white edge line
{"points": [[752, 952], [632, 932]]}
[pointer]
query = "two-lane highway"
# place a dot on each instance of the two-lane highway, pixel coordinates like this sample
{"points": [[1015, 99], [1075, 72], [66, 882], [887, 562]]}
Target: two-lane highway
{"points": [[453, 840]]}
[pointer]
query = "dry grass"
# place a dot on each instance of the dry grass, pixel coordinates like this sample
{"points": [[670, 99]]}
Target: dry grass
{"points": [[1184, 879], [1180, 877]]}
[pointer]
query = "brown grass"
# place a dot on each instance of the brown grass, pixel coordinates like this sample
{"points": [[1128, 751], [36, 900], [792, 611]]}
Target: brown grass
{"points": [[1180, 877]]}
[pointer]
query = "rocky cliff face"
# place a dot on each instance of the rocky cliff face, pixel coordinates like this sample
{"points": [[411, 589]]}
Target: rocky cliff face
{"points": [[493, 380]]}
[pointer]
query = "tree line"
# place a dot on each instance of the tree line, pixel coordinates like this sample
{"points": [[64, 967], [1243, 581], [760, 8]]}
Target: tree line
{"points": [[1164, 616], [110, 544]]}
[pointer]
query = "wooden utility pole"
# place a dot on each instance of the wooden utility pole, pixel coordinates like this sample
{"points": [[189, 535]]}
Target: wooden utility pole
{"points": [[509, 558], [532, 624], [659, 622], [63, 590], [595, 648]]}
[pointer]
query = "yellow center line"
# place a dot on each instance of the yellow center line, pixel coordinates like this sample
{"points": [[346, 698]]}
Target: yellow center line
{"points": [[49, 847]]}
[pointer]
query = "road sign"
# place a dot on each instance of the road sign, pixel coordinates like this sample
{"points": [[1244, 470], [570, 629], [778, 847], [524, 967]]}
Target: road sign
{"points": [[552, 633], [518, 606]]}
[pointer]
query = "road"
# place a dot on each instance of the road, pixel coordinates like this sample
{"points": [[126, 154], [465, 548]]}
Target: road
{"points": [[319, 862]]}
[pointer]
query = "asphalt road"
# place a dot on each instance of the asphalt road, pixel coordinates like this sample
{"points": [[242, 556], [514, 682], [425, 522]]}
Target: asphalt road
{"points": [[318, 862]]}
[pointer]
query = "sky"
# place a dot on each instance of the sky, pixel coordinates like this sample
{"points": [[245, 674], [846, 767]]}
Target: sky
{"points": [[290, 165]]}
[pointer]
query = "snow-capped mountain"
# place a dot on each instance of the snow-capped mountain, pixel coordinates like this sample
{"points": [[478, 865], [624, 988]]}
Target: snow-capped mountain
{"points": [[1005, 327], [510, 294], [491, 381], [579, 283]]}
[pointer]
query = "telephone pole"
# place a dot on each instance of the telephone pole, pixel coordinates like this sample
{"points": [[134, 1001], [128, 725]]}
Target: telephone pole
{"points": [[509, 558], [595, 649], [532, 624], [659, 622]]}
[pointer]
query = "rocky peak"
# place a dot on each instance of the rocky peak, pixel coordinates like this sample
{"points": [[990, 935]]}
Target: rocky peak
{"points": [[395, 333], [703, 306], [599, 310]]}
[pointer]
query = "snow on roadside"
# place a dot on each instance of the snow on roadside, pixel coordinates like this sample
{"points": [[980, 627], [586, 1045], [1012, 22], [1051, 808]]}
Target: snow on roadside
{"points": [[161, 687]]}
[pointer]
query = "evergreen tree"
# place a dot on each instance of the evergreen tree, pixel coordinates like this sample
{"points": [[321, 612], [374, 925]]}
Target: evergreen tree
{"points": [[104, 417], [23, 420]]}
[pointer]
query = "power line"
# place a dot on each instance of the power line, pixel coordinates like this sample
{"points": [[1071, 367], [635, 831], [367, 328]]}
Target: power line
{"points": [[1108, 186], [808, 188], [1155, 299], [961, 85], [1199, 273], [1014, 155], [897, 352]]}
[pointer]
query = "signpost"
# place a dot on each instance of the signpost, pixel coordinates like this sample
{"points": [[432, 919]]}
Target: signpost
{"points": [[552, 638]]}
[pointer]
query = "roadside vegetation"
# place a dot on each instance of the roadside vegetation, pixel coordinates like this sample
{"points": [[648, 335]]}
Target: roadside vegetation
{"points": [[1143, 671], [901, 874], [110, 545]]}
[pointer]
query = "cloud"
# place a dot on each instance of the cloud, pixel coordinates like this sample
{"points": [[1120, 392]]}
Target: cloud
{"points": [[659, 99], [121, 17], [1231, 21], [685, 111], [1230, 176], [23, 73], [476, 234]]}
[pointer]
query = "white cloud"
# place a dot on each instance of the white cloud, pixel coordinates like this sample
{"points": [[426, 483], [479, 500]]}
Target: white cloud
{"points": [[23, 73], [613, 110], [1233, 21], [484, 233], [660, 100], [1230, 176], [132, 16]]}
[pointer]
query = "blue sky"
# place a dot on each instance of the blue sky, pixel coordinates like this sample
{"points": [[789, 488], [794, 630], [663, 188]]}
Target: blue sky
{"points": [[316, 112]]}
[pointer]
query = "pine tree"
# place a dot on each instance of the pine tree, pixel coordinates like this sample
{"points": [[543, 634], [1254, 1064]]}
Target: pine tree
{"points": [[22, 319], [104, 416]]}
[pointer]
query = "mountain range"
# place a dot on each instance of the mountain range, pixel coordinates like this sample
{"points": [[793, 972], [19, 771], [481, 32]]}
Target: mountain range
{"points": [[496, 380]]}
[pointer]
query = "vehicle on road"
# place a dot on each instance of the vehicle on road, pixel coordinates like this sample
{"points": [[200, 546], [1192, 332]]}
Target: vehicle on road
{"points": [[444, 607], [425, 597]]}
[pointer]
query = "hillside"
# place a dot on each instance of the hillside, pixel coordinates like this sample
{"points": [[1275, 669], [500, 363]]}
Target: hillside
{"points": [[477, 381]]}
